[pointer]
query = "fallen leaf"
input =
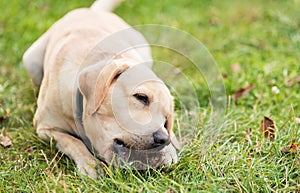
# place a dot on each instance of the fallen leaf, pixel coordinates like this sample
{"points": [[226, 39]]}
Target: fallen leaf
{"points": [[267, 125], [242, 92], [292, 148], [235, 68], [293, 81], [5, 141]]}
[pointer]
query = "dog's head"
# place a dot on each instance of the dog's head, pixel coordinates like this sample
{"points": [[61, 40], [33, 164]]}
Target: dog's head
{"points": [[128, 115]]}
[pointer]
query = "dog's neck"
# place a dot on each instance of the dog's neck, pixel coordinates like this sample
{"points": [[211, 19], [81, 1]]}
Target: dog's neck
{"points": [[80, 126]]}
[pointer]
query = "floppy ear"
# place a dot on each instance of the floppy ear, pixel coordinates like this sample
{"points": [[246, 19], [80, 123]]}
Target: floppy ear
{"points": [[169, 127], [95, 81]]}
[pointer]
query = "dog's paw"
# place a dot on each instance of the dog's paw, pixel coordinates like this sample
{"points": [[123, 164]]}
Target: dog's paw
{"points": [[88, 168]]}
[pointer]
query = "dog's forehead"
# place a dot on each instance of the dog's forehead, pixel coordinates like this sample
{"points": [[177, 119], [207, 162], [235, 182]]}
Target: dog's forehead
{"points": [[140, 77]]}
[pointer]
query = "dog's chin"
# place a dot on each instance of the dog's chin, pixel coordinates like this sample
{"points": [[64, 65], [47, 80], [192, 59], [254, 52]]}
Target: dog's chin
{"points": [[124, 156]]}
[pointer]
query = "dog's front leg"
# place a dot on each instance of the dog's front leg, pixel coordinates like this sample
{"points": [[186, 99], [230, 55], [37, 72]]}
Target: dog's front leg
{"points": [[74, 148]]}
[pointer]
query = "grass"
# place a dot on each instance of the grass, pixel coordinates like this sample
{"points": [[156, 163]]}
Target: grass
{"points": [[263, 37]]}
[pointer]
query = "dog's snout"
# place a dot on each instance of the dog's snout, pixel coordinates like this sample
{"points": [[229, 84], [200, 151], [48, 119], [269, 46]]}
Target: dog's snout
{"points": [[160, 138]]}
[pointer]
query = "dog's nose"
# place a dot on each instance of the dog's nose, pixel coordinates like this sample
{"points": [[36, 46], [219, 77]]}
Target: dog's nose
{"points": [[160, 138]]}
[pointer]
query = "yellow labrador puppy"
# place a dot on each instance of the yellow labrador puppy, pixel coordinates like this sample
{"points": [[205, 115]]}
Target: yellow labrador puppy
{"points": [[98, 98]]}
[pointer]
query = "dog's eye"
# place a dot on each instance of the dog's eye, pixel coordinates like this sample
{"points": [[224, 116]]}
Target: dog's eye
{"points": [[142, 98]]}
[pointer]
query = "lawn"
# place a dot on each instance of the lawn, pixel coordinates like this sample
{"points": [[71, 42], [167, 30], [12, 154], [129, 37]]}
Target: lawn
{"points": [[252, 42]]}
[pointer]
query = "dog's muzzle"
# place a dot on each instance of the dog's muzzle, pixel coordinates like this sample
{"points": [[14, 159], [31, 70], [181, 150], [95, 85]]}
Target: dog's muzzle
{"points": [[142, 159]]}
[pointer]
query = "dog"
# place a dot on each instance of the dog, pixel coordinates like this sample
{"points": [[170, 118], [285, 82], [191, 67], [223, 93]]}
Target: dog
{"points": [[99, 103]]}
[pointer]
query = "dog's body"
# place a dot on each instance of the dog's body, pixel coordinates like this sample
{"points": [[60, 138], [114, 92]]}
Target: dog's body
{"points": [[62, 62]]}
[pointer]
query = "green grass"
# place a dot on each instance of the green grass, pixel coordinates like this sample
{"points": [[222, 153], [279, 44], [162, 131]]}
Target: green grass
{"points": [[262, 36]]}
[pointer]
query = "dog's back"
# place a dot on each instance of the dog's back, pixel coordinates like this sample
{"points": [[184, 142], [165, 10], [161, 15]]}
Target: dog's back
{"points": [[35, 55]]}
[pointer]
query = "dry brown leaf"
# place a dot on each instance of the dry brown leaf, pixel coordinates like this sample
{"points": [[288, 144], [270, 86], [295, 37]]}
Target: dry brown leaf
{"points": [[267, 125], [5, 141], [293, 81], [292, 148], [235, 68], [242, 92]]}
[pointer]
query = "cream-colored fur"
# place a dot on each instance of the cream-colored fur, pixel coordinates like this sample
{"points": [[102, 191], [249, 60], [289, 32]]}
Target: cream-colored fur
{"points": [[63, 60]]}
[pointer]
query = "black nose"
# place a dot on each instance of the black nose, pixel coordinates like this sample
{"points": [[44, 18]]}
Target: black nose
{"points": [[160, 138]]}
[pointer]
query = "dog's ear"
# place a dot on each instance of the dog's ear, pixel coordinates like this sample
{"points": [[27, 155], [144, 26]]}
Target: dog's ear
{"points": [[95, 81], [169, 126]]}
